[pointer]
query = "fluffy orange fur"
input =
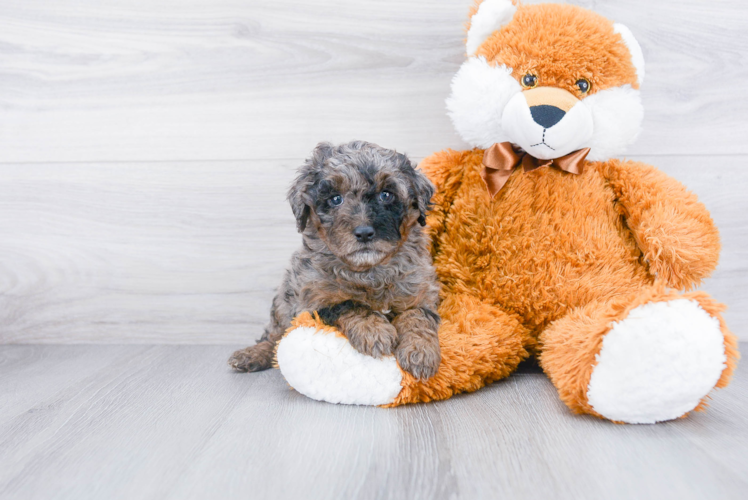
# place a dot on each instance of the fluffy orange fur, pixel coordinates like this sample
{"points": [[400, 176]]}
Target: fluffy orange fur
{"points": [[479, 343], [546, 267], [581, 44]]}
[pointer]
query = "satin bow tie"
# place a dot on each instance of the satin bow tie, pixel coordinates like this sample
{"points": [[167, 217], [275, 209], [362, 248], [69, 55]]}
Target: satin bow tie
{"points": [[500, 160]]}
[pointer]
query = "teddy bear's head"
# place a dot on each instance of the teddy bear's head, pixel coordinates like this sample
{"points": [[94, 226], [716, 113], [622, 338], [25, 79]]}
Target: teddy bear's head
{"points": [[549, 78]]}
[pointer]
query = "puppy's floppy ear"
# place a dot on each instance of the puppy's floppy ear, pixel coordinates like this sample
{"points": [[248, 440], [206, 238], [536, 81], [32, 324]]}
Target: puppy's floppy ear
{"points": [[421, 187], [424, 192], [301, 194]]}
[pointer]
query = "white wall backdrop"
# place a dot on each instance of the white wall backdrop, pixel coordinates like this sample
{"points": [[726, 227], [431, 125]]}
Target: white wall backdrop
{"points": [[146, 145]]}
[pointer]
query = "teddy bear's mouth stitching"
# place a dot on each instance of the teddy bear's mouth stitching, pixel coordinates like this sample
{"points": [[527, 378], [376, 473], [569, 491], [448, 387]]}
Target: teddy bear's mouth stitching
{"points": [[543, 143]]}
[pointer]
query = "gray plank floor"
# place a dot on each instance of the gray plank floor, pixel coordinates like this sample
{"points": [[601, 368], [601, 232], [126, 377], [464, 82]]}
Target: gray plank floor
{"points": [[146, 422]]}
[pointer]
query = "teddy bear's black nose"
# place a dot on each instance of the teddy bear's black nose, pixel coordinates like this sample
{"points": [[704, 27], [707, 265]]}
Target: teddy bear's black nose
{"points": [[546, 116]]}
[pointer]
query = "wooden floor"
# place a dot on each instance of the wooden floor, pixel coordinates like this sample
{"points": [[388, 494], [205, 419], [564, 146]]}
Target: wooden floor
{"points": [[147, 422]]}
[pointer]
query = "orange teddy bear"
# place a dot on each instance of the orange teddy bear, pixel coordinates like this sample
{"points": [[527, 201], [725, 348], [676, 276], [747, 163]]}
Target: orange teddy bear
{"points": [[545, 244]]}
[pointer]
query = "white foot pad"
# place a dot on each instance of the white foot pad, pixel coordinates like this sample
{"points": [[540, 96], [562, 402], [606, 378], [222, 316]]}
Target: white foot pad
{"points": [[658, 363], [324, 366]]}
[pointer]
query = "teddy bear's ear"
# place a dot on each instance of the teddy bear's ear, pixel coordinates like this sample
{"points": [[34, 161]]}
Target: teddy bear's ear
{"points": [[637, 57], [490, 16]]}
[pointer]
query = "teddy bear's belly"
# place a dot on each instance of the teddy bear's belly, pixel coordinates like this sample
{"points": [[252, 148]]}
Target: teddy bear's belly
{"points": [[549, 242]]}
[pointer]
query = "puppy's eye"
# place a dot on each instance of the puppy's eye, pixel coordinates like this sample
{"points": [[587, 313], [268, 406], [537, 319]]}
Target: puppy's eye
{"points": [[336, 200], [583, 85], [529, 81], [386, 196]]}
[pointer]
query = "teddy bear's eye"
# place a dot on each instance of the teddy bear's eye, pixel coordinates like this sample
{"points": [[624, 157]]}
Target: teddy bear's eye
{"points": [[529, 81], [583, 85]]}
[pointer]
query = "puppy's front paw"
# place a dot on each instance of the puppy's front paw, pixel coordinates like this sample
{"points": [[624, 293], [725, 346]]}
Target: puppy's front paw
{"points": [[371, 335], [419, 356], [253, 359]]}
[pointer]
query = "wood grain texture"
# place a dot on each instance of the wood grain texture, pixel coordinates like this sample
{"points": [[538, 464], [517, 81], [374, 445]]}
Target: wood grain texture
{"points": [[172, 422], [87, 80], [181, 252], [191, 252], [106, 236]]}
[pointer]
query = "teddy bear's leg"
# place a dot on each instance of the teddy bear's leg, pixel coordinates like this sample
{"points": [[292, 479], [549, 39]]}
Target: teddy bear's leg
{"points": [[479, 344], [641, 358], [319, 362]]}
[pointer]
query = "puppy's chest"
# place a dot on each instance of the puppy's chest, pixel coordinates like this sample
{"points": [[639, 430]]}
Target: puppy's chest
{"points": [[382, 292]]}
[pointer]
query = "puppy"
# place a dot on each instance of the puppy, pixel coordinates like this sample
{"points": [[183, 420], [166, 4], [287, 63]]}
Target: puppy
{"points": [[364, 264]]}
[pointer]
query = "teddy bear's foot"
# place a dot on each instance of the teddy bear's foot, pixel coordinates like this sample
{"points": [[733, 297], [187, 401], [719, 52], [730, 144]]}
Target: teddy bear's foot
{"points": [[653, 359], [658, 363], [320, 363], [479, 344]]}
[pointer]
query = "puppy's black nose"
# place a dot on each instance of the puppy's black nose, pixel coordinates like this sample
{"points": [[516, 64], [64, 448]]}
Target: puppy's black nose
{"points": [[546, 116], [364, 233]]}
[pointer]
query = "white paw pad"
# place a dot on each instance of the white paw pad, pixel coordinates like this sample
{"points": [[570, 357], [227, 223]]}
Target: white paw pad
{"points": [[657, 363], [324, 366]]}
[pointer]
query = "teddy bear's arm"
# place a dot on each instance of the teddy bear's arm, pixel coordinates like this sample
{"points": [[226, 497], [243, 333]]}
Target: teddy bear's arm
{"points": [[673, 229], [444, 169]]}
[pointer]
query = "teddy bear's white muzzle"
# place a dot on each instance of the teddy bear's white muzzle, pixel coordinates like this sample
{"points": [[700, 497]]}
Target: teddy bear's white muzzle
{"points": [[545, 131]]}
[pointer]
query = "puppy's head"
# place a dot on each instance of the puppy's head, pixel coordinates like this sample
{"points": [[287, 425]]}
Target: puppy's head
{"points": [[360, 199]]}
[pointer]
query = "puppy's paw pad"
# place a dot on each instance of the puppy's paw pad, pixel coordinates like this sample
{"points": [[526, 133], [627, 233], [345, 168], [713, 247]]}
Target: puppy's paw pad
{"points": [[384, 346], [378, 342], [251, 359], [421, 361]]}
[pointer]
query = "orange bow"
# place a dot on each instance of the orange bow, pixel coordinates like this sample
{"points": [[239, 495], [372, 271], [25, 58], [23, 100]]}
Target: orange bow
{"points": [[500, 160]]}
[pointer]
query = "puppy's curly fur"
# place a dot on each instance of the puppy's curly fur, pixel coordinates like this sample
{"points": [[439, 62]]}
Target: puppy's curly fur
{"points": [[364, 265]]}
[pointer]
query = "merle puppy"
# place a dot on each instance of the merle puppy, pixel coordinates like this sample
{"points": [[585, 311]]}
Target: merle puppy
{"points": [[364, 265]]}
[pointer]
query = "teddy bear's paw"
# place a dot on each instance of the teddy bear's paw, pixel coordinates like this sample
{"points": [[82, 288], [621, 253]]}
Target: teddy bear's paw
{"points": [[322, 364], [658, 363]]}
